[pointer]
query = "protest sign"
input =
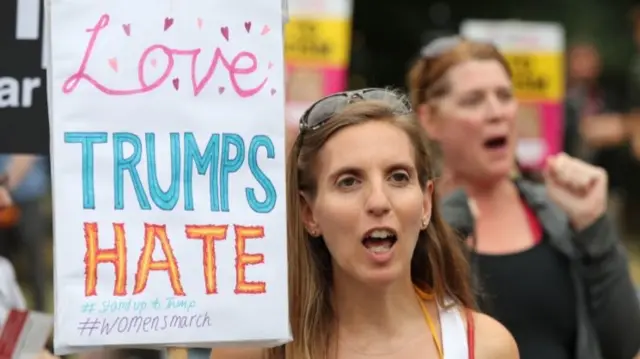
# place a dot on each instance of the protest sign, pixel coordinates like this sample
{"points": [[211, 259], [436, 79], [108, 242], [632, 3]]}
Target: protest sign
{"points": [[24, 334], [23, 127], [535, 52], [317, 47], [168, 173]]}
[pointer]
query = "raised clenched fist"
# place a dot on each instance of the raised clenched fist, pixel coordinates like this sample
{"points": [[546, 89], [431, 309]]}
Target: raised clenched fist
{"points": [[577, 187]]}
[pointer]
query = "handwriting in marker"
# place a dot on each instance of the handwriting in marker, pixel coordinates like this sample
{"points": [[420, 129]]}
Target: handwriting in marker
{"points": [[236, 65], [225, 32], [221, 90], [270, 65], [265, 30], [168, 22], [113, 63], [199, 23], [154, 62], [273, 92], [247, 26], [127, 29], [176, 83]]}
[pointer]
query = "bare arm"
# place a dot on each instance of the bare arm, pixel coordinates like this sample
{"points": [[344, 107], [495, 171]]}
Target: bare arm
{"points": [[18, 168], [603, 130], [5, 198], [493, 340]]}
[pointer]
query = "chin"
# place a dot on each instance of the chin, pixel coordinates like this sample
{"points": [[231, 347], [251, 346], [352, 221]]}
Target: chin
{"points": [[380, 277], [499, 169]]}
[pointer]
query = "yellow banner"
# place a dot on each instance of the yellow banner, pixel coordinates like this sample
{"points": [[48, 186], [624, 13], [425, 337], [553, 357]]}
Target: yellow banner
{"points": [[323, 42], [537, 76]]}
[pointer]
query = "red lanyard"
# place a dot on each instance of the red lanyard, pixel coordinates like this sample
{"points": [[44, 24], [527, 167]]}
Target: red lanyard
{"points": [[470, 334]]}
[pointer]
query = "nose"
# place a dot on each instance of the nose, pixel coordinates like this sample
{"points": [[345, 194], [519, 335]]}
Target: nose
{"points": [[494, 109], [378, 203]]}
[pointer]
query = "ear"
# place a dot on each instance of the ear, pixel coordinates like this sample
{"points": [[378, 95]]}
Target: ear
{"points": [[427, 201], [308, 219], [428, 120]]}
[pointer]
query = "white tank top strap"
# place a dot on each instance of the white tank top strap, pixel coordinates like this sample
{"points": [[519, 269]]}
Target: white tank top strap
{"points": [[454, 332]]}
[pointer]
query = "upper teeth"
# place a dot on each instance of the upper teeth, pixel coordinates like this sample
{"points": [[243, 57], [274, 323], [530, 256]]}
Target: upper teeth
{"points": [[381, 233]]}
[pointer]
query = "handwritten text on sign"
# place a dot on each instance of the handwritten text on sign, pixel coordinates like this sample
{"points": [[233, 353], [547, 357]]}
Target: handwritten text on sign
{"points": [[319, 42], [154, 169], [537, 76], [147, 59]]}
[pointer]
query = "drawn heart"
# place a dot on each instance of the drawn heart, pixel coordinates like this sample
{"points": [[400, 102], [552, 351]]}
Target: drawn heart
{"points": [[113, 63], [127, 29], [176, 83], [270, 65], [225, 32], [199, 23], [221, 90], [168, 22], [265, 30], [247, 26], [154, 62], [273, 92]]}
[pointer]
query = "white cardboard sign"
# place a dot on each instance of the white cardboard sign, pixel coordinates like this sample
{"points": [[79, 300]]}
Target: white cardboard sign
{"points": [[167, 132]]}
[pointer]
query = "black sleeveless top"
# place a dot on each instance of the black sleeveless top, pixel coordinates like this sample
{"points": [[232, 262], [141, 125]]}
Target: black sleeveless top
{"points": [[531, 293]]}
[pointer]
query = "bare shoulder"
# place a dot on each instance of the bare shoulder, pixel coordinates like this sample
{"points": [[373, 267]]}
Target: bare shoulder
{"points": [[493, 340], [237, 353]]}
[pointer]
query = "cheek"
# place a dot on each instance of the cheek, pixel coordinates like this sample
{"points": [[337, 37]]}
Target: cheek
{"points": [[511, 113], [336, 221], [458, 130], [411, 212]]}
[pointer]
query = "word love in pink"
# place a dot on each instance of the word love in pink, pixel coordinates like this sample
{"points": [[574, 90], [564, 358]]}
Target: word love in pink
{"points": [[198, 84]]}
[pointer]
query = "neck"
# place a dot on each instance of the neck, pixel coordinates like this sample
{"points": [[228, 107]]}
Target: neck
{"points": [[367, 311], [479, 190]]}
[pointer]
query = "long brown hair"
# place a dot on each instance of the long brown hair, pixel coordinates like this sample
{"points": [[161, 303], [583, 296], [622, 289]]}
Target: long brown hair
{"points": [[438, 265]]}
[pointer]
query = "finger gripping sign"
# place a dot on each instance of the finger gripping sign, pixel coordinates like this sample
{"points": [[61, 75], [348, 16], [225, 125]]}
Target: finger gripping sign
{"points": [[168, 171]]}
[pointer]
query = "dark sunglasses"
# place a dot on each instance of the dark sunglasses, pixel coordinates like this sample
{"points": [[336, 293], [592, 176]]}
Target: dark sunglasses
{"points": [[324, 109]]}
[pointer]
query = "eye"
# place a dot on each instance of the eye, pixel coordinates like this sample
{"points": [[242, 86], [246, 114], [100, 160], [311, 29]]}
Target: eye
{"points": [[505, 95], [472, 100], [400, 177], [347, 181]]}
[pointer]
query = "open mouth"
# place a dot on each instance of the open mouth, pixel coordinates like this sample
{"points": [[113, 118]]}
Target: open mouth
{"points": [[495, 143], [379, 240]]}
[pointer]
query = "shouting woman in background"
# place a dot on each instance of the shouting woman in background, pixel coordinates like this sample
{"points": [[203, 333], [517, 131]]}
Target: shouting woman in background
{"points": [[549, 265]]}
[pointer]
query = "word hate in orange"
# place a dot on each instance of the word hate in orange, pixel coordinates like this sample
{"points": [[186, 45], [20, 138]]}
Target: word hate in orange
{"points": [[157, 234]]}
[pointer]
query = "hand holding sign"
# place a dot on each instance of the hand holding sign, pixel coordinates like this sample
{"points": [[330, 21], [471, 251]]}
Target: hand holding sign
{"points": [[579, 188]]}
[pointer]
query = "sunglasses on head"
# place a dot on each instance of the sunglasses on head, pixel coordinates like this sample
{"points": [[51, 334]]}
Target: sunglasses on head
{"points": [[324, 109], [444, 44]]}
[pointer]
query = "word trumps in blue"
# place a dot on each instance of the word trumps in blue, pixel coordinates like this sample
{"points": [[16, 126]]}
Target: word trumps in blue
{"points": [[185, 154]]}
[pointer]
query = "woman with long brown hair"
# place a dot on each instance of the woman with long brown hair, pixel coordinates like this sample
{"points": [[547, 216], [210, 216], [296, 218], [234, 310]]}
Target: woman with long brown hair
{"points": [[549, 264], [373, 269]]}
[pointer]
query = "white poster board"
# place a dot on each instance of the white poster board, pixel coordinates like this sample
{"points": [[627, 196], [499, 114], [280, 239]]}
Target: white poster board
{"points": [[167, 137]]}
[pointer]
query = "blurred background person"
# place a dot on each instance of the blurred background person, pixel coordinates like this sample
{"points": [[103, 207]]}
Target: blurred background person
{"points": [[27, 180], [536, 250]]}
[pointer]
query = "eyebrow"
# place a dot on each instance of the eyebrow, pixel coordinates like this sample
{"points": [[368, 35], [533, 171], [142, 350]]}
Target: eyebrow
{"points": [[354, 170], [345, 170]]}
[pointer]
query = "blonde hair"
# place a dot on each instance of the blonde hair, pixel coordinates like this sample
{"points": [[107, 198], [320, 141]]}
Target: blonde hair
{"points": [[438, 265]]}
